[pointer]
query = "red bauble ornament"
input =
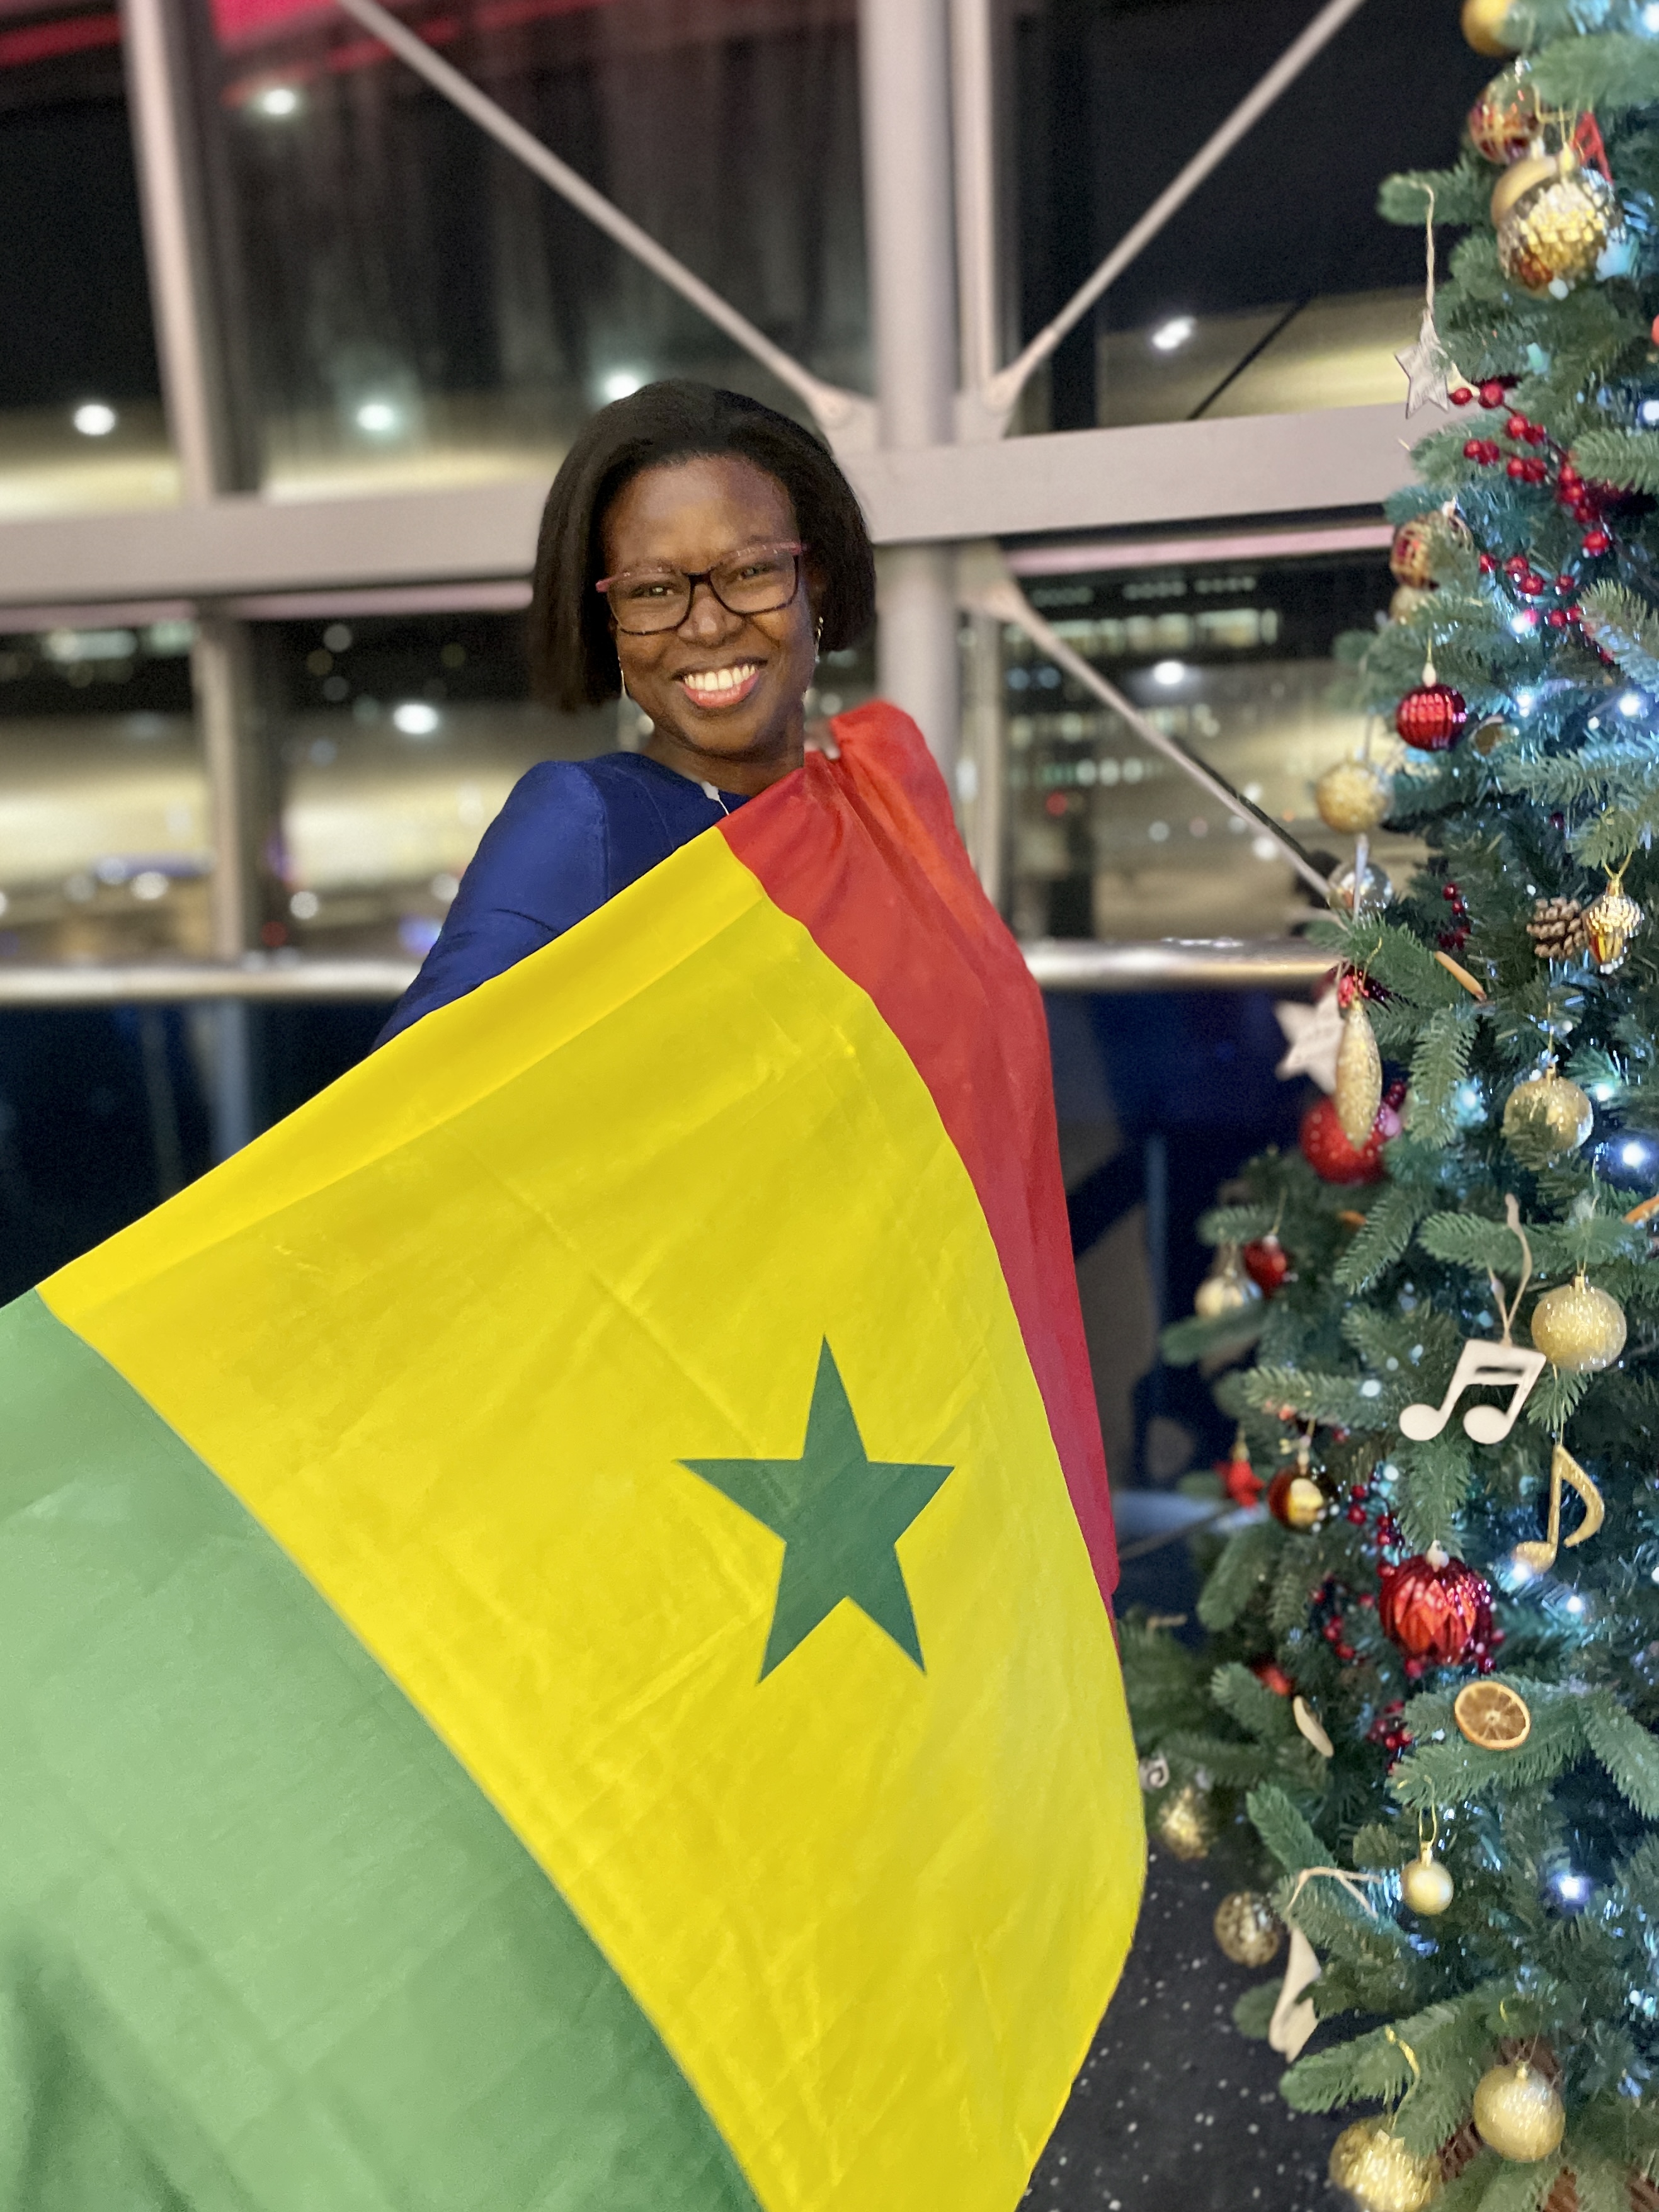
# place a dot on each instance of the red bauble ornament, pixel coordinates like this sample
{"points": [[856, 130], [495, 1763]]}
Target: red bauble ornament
{"points": [[1328, 1153], [1266, 1263], [1597, 543], [1434, 1607], [1240, 1480], [1273, 1675], [1431, 718], [1494, 392], [1514, 468], [1460, 395]]}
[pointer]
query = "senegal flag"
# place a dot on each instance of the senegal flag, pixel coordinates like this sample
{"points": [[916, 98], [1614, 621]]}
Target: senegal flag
{"points": [[555, 1651]]}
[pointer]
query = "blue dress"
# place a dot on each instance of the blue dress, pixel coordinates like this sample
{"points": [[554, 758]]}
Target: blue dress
{"points": [[571, 836]]}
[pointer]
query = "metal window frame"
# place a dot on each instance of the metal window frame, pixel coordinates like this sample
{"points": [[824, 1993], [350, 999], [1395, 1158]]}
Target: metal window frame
{"points": [[927, 457]]}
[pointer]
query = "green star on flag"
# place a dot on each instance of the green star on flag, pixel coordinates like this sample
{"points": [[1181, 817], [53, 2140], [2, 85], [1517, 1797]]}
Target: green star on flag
{"points": [[840, 1514]]}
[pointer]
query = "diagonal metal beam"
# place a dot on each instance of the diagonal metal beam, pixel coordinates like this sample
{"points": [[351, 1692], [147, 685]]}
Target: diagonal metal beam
{"points": [[989, 594], [997, 395], [847, 418]]}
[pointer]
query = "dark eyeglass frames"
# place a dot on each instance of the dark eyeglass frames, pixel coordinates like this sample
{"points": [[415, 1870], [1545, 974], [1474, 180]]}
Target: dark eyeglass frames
{"points": [[757, 581]]}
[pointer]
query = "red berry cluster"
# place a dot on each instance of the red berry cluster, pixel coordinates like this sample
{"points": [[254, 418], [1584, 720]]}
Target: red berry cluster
{"points": [[1583, 501], [1493, 393], [1334, 1628], [1389, 1731], [1454, 938]]}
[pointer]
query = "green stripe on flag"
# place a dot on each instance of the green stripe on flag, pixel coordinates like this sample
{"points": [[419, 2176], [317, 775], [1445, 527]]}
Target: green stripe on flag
{"points": [[262, 1943]]}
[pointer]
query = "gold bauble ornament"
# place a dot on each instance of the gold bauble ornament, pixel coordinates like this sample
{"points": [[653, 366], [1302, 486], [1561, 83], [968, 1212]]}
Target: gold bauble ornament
{"points": [[1370, 2162], [1300, 1503], [1358, 1091], [1417, 541], [1519, 2113], [1555, 231], [1482, 26], [1610, 922], [1549, 1114], [1517, 181], [1491, 733], [1425, 1884], [1504, 119], [1411, 557], [1352, 796], [1578, 1327], [1183, 1823], [1227, 1288], [1248, 1928], [1407, 599]]}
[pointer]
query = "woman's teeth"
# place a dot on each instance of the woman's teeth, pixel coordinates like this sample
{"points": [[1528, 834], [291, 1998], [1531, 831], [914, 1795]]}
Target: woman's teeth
{"points": [[713, 686]]}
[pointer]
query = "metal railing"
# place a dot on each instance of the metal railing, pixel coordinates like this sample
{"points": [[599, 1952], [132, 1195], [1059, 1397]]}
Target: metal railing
{"points": [[1058, 964]]}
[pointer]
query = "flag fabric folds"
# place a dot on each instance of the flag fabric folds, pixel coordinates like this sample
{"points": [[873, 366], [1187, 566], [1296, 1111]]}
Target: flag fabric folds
{"points": [[552, 1611]]}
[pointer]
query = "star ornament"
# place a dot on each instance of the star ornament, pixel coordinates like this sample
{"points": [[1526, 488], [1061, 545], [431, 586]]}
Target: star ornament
{"points": [[1428, 367], [840, 1514], [1313, 1034]]}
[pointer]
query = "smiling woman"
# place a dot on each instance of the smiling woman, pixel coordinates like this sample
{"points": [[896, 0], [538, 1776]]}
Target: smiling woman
{"points": [[697, 550]]}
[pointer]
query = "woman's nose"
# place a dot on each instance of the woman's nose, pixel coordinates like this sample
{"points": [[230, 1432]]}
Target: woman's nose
{"points": [[705, 618]]}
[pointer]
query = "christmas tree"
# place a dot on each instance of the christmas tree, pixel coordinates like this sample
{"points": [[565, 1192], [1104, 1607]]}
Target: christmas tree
{"points": [[1422, 1727]]}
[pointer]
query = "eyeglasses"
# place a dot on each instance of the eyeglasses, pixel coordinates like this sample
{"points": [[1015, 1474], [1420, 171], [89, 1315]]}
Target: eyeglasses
{"points": [[757, 581]]}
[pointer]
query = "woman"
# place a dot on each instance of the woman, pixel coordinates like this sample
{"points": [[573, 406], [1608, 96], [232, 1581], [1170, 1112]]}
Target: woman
{"points": [[698, 550]]}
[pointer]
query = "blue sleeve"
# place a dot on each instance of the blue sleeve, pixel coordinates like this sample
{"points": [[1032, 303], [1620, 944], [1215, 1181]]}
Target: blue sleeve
{"points": [[541, 867]]}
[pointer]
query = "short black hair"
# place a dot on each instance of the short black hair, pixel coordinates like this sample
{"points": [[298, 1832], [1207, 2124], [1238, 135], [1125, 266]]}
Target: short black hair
{"points": [[573, 655]]}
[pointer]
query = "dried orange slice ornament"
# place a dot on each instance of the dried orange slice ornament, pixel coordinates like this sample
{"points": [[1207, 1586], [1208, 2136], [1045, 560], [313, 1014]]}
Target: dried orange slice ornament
{"points": [[1493, 1716]]}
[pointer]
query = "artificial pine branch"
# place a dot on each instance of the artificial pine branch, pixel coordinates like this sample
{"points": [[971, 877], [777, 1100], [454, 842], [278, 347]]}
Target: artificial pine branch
{"points": [[1552, 1836]]}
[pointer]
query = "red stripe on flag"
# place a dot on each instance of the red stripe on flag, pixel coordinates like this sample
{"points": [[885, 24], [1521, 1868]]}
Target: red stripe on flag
{"points": [[889, 895]]}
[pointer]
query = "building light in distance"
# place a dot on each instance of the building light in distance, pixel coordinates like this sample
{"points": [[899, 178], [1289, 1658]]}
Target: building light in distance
{"points": [[415, 717], [1169, 336], [1168, 673], [95, 418]]}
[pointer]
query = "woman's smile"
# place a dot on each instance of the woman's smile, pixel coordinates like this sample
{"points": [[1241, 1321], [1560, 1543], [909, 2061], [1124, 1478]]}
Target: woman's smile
{"points": [[713, 689]]}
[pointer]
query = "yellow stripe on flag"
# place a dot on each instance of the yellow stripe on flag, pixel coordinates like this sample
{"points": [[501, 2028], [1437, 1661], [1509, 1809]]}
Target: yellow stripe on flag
{"points": [[452, 1333]]}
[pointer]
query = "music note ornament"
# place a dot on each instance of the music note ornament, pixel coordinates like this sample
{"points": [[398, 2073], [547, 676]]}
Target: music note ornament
{"points": [[1563, 1468], [1504, 1364]]}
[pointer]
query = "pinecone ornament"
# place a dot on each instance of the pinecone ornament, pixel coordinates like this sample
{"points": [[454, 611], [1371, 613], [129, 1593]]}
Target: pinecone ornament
{"points": [[1556, 928]]}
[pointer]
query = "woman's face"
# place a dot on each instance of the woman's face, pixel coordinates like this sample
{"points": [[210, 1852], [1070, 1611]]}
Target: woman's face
{"points": [[723, 690]]}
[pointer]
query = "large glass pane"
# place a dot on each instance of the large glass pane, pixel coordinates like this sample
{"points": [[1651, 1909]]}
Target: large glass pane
{"points": [[104, 841], [80, 415], [421, 308], [1235, 657], [397, 737], [1277, 288]]}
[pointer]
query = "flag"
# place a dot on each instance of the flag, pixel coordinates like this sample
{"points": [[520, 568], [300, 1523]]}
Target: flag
{"points": [[554, 1647]]}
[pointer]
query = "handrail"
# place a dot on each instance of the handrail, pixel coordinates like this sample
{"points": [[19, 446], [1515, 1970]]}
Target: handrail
{"points": [[1058, 964]]}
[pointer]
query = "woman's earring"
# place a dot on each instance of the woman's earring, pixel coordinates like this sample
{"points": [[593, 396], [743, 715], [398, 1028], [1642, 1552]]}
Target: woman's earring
{"points": [[817, 637]]}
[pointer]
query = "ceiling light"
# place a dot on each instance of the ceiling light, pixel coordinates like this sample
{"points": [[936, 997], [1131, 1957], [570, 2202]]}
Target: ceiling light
{"points": [[415, 717], [93, 419], [1169, 336], [380, 417], [621, 383], [1168, 673], [277, 100]]}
